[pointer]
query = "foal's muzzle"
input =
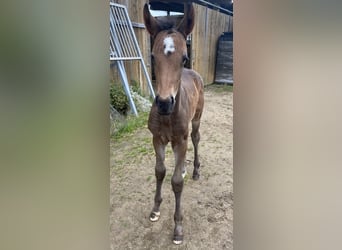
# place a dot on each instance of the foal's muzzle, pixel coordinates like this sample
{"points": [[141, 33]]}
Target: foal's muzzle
{"points": [[165, 106]]}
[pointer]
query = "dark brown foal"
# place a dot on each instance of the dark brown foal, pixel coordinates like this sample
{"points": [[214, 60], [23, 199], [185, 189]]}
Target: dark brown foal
{"points": [[179, 101]]}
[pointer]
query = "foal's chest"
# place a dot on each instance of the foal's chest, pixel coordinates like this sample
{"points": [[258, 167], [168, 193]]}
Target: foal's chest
{"points": [[168, 127]]}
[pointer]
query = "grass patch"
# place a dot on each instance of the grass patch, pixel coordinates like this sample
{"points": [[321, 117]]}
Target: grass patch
{"points": [[168, 177], [129, 125], [149, 178], [218, 88], [186, 177], [143, 150], [118, 170], [168, 151], [139, 150]]}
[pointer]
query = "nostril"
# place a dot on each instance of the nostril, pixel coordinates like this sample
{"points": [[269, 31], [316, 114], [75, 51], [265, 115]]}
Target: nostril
{"points": [[157, 99], [172, 100]]}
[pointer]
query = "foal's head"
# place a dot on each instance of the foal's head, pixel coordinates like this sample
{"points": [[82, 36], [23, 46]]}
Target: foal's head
{"points": [[169, 53]]}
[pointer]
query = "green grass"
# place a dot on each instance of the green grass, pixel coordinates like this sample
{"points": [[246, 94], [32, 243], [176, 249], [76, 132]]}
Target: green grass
{"points": [[139, 150], [168, 177], [130, 124], [218, 88]]}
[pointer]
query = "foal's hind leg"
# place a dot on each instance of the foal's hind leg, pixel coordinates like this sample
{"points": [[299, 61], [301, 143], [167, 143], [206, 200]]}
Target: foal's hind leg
{"points": [[160, 171], [195, 137]]}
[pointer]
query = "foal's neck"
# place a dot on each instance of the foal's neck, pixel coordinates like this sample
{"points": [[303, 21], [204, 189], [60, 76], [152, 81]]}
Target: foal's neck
{"points": [[179, 94]]}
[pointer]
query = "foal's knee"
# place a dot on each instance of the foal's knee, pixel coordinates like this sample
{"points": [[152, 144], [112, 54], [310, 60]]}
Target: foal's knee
{"points": [[195, 136], [160, 172], [177, 183]]}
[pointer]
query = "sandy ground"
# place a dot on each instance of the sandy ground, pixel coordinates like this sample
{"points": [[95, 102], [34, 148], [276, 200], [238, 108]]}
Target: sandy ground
{"points": [[207, 204]]}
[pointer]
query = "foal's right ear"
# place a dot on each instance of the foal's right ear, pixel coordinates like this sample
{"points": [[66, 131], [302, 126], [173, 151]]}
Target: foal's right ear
{"points": [[188, 21], [151, 23]]}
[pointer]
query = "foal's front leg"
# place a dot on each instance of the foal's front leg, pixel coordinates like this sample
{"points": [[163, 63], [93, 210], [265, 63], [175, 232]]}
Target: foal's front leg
{"points": [[179, 149], [160, 170]]}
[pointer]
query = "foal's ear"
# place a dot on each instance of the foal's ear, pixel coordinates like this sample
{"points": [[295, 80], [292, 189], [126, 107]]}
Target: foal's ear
{"points": [[188, 21], [151, 23]]}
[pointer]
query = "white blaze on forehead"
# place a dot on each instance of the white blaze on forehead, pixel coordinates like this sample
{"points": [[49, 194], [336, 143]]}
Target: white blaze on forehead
{"points": [[169, 46]]}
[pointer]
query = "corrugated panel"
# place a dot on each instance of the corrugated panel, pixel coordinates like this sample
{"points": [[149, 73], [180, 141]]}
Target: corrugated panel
{"points": [[224, 59]]}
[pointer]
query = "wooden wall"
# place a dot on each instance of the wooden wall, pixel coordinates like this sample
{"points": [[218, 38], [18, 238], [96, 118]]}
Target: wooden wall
{"points": [[209, 26]]}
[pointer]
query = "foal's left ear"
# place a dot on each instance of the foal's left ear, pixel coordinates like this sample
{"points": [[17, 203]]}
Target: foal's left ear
{"points": [[188, 21]]}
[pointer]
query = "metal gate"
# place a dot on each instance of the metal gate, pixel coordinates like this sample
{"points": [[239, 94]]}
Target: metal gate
{"points": [[124, 46]]}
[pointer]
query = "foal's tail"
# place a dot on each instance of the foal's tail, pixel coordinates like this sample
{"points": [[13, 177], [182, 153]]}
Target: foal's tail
{"points": [[200, 88]]}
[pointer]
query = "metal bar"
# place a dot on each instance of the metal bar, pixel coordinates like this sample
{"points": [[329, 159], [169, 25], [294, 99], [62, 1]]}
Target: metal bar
{"points": [[128, 36], [126, 87], [117, 46], [111, 47], [113, 51], [119, 33], [138, 25], [129, 29], [117, 5], [133, 41], [126, 58], [128, 42], [148, 79], [134, 46], [114, 36], [140, 55]]}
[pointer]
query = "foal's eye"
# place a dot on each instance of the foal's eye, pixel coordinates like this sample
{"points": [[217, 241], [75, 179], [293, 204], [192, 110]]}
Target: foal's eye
{"points": [[152, 57]]}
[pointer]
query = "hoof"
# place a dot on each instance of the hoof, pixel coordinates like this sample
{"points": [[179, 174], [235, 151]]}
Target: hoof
{"points": [[178, 235], [154, 216], [195, 177], [178, 240], [196, 173]]}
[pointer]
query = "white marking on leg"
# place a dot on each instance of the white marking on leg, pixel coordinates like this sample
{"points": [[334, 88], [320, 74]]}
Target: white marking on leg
{"points": [[169, 46], [154, 216], [177, 242]]}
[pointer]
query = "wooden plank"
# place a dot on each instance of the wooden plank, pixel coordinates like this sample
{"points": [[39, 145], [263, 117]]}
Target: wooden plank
{"points": [[209, 26]]}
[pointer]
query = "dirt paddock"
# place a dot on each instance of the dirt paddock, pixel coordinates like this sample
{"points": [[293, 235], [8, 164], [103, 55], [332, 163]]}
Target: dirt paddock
{"points": [[207, 204]]}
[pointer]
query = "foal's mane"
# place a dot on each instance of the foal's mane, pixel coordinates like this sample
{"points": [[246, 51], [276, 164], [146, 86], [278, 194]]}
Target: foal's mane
{"points": [[166, 24], [169, 25]]}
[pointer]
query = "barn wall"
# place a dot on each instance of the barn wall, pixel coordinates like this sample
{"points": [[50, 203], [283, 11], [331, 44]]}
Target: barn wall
{"points": [[209, 26]]}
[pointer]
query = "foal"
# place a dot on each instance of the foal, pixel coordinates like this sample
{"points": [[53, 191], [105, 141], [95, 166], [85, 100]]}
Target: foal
{"points": [[179, 101]]}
